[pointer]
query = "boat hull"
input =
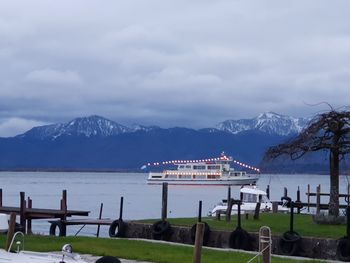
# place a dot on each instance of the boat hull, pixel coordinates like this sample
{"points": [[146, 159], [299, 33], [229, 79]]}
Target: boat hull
{"points": [[235, 181]]}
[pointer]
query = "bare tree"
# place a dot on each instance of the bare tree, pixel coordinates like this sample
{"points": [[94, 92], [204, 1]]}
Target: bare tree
{"points": [[327, 131]]}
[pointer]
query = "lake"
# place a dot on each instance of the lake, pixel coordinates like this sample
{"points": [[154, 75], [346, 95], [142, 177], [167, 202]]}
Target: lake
{"points": [[86, 191]]}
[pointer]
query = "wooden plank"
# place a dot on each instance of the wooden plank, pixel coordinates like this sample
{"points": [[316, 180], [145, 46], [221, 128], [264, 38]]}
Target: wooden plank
{"points": [[103, 221]]}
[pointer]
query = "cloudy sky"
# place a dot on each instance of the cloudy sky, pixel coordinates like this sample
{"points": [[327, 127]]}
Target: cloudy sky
{"points": [[187, 63]]}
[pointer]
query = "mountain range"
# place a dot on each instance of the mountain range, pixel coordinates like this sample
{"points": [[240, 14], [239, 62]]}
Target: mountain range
{"points": [[96, 143]]}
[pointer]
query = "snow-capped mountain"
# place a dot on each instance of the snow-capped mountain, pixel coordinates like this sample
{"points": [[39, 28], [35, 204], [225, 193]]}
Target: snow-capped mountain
{"points": [[96, 126], [269, 122], [92, 126]]}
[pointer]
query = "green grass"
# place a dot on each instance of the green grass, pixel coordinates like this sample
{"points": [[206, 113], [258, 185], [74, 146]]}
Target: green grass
{"points": [[138, 250], [279, 223]]}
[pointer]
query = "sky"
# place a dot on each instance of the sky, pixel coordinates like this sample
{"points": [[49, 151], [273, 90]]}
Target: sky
{"points": [[190, 63]]}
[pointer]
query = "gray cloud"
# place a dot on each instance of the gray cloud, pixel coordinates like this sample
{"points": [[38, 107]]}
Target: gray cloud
{"points": [[186, 63]]}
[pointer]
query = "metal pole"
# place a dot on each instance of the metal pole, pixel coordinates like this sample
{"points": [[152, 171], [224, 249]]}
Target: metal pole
{"points": [[99, 217], [121, 207]]}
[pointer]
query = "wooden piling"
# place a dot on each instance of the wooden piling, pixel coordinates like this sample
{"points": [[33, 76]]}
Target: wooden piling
{"points": [[318, 199], [10, 231], [198, 243], [0, 197], [285, 194], [22, 209], [64, 204], [29, 221], [164, 201], [229, 206], [268, 191]]}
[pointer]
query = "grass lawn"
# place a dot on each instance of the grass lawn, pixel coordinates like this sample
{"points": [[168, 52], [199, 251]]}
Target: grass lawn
{"points": [[135, 249], [279, 223]]}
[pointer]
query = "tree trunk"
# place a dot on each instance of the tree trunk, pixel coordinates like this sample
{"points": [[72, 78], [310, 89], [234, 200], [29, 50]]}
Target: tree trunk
{"points": [[334, 183]]}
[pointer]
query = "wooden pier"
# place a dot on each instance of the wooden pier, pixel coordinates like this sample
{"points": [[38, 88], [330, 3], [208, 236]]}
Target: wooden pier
{"points": [[27, 213]]}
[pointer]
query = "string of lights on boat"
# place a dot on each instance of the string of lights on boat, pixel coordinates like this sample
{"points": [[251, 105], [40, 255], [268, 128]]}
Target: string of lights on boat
{"points": [[221, 158]]}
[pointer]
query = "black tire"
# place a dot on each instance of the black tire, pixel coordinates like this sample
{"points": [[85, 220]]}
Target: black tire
{"points": [[240, 239], [161, 230], [205, 236], [117, 228], [61, 229], [343, 249], [108, 259], [289, 243]]}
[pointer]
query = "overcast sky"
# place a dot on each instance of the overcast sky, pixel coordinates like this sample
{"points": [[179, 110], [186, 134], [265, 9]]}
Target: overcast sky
{"points": [[190, 63]]}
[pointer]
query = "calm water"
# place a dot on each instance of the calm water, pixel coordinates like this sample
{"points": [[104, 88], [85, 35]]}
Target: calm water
{"points": [[86, 191]]}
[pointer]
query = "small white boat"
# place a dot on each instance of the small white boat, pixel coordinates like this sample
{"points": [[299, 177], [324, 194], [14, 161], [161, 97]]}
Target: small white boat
{"points": [[215, 171], [22, 256], [250, 197]]}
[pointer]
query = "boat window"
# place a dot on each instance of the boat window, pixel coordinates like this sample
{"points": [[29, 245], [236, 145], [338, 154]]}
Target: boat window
{"points": [[213, 167], [188, 166], [199, 167], [251, 198], [181, 166]]}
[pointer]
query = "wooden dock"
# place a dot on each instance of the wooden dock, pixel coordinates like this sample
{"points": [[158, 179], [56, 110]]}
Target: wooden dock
{"points": [[27, 213]]}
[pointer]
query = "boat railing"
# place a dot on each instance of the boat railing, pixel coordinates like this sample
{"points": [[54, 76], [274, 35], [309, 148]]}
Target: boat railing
{"points": [[18, 242]]}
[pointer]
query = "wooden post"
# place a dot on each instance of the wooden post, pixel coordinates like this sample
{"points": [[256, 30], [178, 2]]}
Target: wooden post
{"points": [[308, 198], [229, 206], [29, 221], [99, 217], [257, 209], [22, 211], [268, 191], [64, 204], [298, 199], [0, 197], [198, 243], [11, 230], [265, 244], [164, 201], [285, 194], [318, 199], [348, 195]]}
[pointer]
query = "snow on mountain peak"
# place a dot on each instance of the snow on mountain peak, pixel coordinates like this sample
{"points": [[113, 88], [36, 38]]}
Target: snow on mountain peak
{"points": [[86, 126], [268, 122]]}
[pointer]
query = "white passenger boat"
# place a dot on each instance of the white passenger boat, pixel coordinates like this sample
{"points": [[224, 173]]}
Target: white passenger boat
{"points": [[250, 197], [215, 171]]}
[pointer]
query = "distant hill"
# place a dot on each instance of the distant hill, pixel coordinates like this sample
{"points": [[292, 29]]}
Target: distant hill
{"points": [[96, 143]]}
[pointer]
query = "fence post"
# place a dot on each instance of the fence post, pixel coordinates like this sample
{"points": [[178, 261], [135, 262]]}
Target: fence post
{"points": [[0, 197], [285, 194], [198, 243], [265, 244]]}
